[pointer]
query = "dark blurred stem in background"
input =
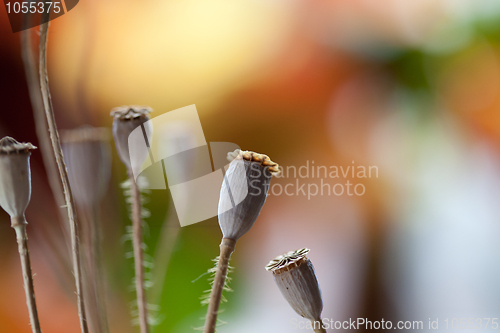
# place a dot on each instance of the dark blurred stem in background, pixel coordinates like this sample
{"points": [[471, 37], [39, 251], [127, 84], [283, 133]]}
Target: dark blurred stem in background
{"points": [[376, 301], [98, 276], [94, 277], [163, 254], [138, 254], [84, 101], [49, 162], [41, 121], [56, 146]]}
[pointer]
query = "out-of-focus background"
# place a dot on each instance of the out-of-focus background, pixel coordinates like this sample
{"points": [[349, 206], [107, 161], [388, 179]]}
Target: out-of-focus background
{"points": [[410, 89]]}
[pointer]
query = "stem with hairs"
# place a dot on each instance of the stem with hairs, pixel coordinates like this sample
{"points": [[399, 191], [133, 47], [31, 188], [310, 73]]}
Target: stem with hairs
{"points": [[138, 254], [226, 249], [19, 225], [56, 146]]}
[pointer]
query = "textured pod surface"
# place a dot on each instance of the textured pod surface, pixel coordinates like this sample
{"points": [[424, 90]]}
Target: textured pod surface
{"points": [[295, 277], [15, 176], [88, 159], [252, 179], [125, 120]]}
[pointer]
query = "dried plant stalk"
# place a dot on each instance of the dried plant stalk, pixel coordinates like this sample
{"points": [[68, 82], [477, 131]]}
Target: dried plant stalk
{"points": [[19, 225], [138, 255], [15, 194], [56, 146], [125, 120], [42, 133], [40, 119], [242, 196], [226, 249]]}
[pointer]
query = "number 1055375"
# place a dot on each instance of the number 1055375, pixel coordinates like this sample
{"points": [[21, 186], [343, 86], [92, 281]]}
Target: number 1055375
{"points": [[33, 7]]}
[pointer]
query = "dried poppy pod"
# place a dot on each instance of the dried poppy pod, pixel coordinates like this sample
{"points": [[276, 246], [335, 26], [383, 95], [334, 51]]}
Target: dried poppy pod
{"points": [[125, 120], [15, 193], [294, 275], [251, 184], [243, 193], [15, 177]]}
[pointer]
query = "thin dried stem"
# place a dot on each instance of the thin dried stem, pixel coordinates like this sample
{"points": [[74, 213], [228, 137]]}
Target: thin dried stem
{"points": [[226, 249], [56, 146], [42, 133], [138, 255], [19, 225]]}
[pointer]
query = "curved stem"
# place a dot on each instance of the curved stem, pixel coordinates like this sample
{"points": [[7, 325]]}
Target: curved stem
{"points": [[56, 146], [226, 249], [19, 225], [40, 119], [138, 255]]}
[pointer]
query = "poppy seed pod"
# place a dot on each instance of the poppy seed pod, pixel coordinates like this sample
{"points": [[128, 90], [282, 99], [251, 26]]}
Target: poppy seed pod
{"points": [[15, 176], [125, 120], [242, 195], [295, 277], [15, 193], [250, 184], [88, 159]]}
